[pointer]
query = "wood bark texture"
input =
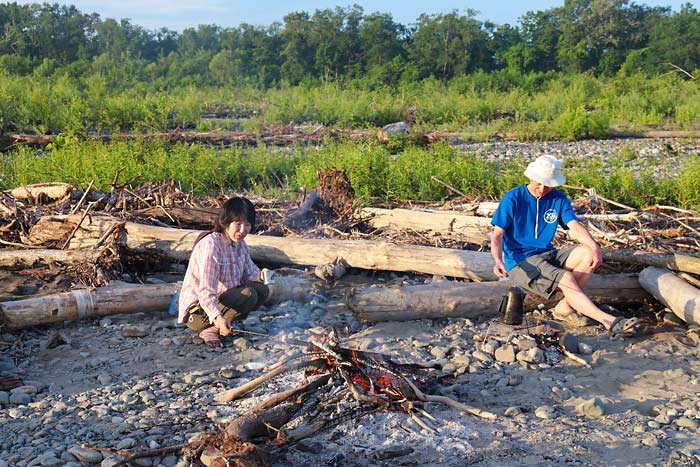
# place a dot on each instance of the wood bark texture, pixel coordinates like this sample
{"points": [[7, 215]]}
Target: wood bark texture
{"points": [[177, 244], [473, 229], [30, 257], [675, 262], [53, 191], [680, 297], [473, 300], [85, 303], [124, 298]]}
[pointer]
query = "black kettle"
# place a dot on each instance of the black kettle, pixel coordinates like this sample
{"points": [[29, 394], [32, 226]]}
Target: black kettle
{"points": [[511, 307]]}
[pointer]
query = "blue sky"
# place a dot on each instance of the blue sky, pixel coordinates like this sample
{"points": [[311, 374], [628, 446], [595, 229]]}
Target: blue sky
{"points": [[180, 14]]}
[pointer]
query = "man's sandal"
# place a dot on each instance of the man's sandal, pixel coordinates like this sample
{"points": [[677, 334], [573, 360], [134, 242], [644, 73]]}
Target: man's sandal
{"points": [[625, 327], [573, 319]]}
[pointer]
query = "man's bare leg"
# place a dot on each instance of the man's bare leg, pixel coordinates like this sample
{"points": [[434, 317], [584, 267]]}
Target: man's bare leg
{"points": [[579, 264], [576, 300]]}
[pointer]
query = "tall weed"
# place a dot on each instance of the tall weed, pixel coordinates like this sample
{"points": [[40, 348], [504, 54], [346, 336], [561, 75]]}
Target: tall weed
{"points": [[689, 183], [413, 173]]}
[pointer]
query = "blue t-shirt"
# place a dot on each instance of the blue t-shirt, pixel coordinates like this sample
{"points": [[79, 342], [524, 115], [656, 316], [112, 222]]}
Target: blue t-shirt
{"points": [[530, 223]]}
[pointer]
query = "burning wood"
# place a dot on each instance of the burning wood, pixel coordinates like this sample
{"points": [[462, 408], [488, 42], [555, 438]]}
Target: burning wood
{"points": [[341, 384]]}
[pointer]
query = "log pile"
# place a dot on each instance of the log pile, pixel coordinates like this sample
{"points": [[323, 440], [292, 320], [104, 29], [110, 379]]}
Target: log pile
{"points": [[285, 135], [58, 224]]}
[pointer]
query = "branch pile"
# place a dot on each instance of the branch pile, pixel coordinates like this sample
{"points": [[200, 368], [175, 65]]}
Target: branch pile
{"points": [[340, 385]]}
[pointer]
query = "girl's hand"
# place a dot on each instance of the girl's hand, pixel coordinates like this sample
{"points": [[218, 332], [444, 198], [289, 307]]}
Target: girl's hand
{"points": [[222, 325]]}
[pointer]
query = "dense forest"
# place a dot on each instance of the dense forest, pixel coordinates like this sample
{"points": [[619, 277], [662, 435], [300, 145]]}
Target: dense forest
{"points": [[603, 37]]}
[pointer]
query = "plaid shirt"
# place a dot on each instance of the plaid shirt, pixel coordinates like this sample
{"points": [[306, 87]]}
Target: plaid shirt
{"points": [[216, 265]]}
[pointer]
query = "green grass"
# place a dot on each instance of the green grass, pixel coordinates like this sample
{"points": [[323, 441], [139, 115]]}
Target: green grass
{"points": [[374, 171]]}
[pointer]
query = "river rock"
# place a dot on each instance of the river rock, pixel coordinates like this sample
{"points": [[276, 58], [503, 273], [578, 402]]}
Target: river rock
{"points": [[134, 331], [87, 456], [533, 355], [686, 422], [505, 354], [592, 408], [546, 412]]}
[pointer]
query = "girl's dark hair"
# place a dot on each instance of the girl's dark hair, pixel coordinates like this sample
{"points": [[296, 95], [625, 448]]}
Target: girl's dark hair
{"points": [[235, 209]]}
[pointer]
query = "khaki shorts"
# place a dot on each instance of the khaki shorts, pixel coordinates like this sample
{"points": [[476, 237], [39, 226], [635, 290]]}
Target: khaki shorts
{"points": [[234, 304], [540, 274]]}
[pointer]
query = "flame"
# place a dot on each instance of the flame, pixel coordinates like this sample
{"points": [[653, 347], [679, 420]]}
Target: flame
{"points": [[381, 384]]}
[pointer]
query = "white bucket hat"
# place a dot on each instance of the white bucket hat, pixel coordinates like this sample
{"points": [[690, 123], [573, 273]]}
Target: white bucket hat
{"points": [[546, 170]]}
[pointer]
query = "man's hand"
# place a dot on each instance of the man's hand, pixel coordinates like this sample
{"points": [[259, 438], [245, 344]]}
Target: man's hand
{"points": [[224, 327], [500, 269], [584, 237], [597, 257]]}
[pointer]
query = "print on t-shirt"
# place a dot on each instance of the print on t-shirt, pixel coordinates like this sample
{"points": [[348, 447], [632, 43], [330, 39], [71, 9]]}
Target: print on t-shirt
{"points": [[550, 216]]}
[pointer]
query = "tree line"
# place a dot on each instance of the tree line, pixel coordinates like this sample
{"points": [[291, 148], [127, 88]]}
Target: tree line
{"points": [[601, 37]]}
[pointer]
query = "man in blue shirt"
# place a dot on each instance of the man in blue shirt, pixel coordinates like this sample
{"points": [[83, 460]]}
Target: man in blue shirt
{"points": [[521, 245]]}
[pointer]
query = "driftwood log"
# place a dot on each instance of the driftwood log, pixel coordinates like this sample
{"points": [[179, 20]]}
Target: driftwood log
{"points": [[473, 229], [49, 191], [287, 136], [111, 300], [177, 244], [85, 303], [476, 229], [674, 262], [680, 297], [30, 257], [455, 222], [473, 300]]}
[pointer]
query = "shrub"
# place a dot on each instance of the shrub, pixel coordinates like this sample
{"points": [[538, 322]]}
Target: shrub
{"points": [[578, 123]]}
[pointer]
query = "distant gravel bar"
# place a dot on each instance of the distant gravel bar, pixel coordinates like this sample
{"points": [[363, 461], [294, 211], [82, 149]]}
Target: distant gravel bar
{"points": [[664, 156]]}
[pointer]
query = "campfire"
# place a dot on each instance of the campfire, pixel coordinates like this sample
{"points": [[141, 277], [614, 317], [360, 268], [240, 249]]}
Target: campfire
{"points": [[340, 385]]}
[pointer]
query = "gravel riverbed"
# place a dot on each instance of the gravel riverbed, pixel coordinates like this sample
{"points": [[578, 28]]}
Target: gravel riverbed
{"points": [[663, 156]]}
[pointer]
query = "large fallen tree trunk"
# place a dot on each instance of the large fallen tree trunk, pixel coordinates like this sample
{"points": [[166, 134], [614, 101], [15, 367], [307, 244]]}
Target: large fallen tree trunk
{"points": [[473, 229], [85, 303], [111, 300], [30, 257], [473, 300], [177, 244], [460, 222], [50, 191], [682, 298], [674, 261]]}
